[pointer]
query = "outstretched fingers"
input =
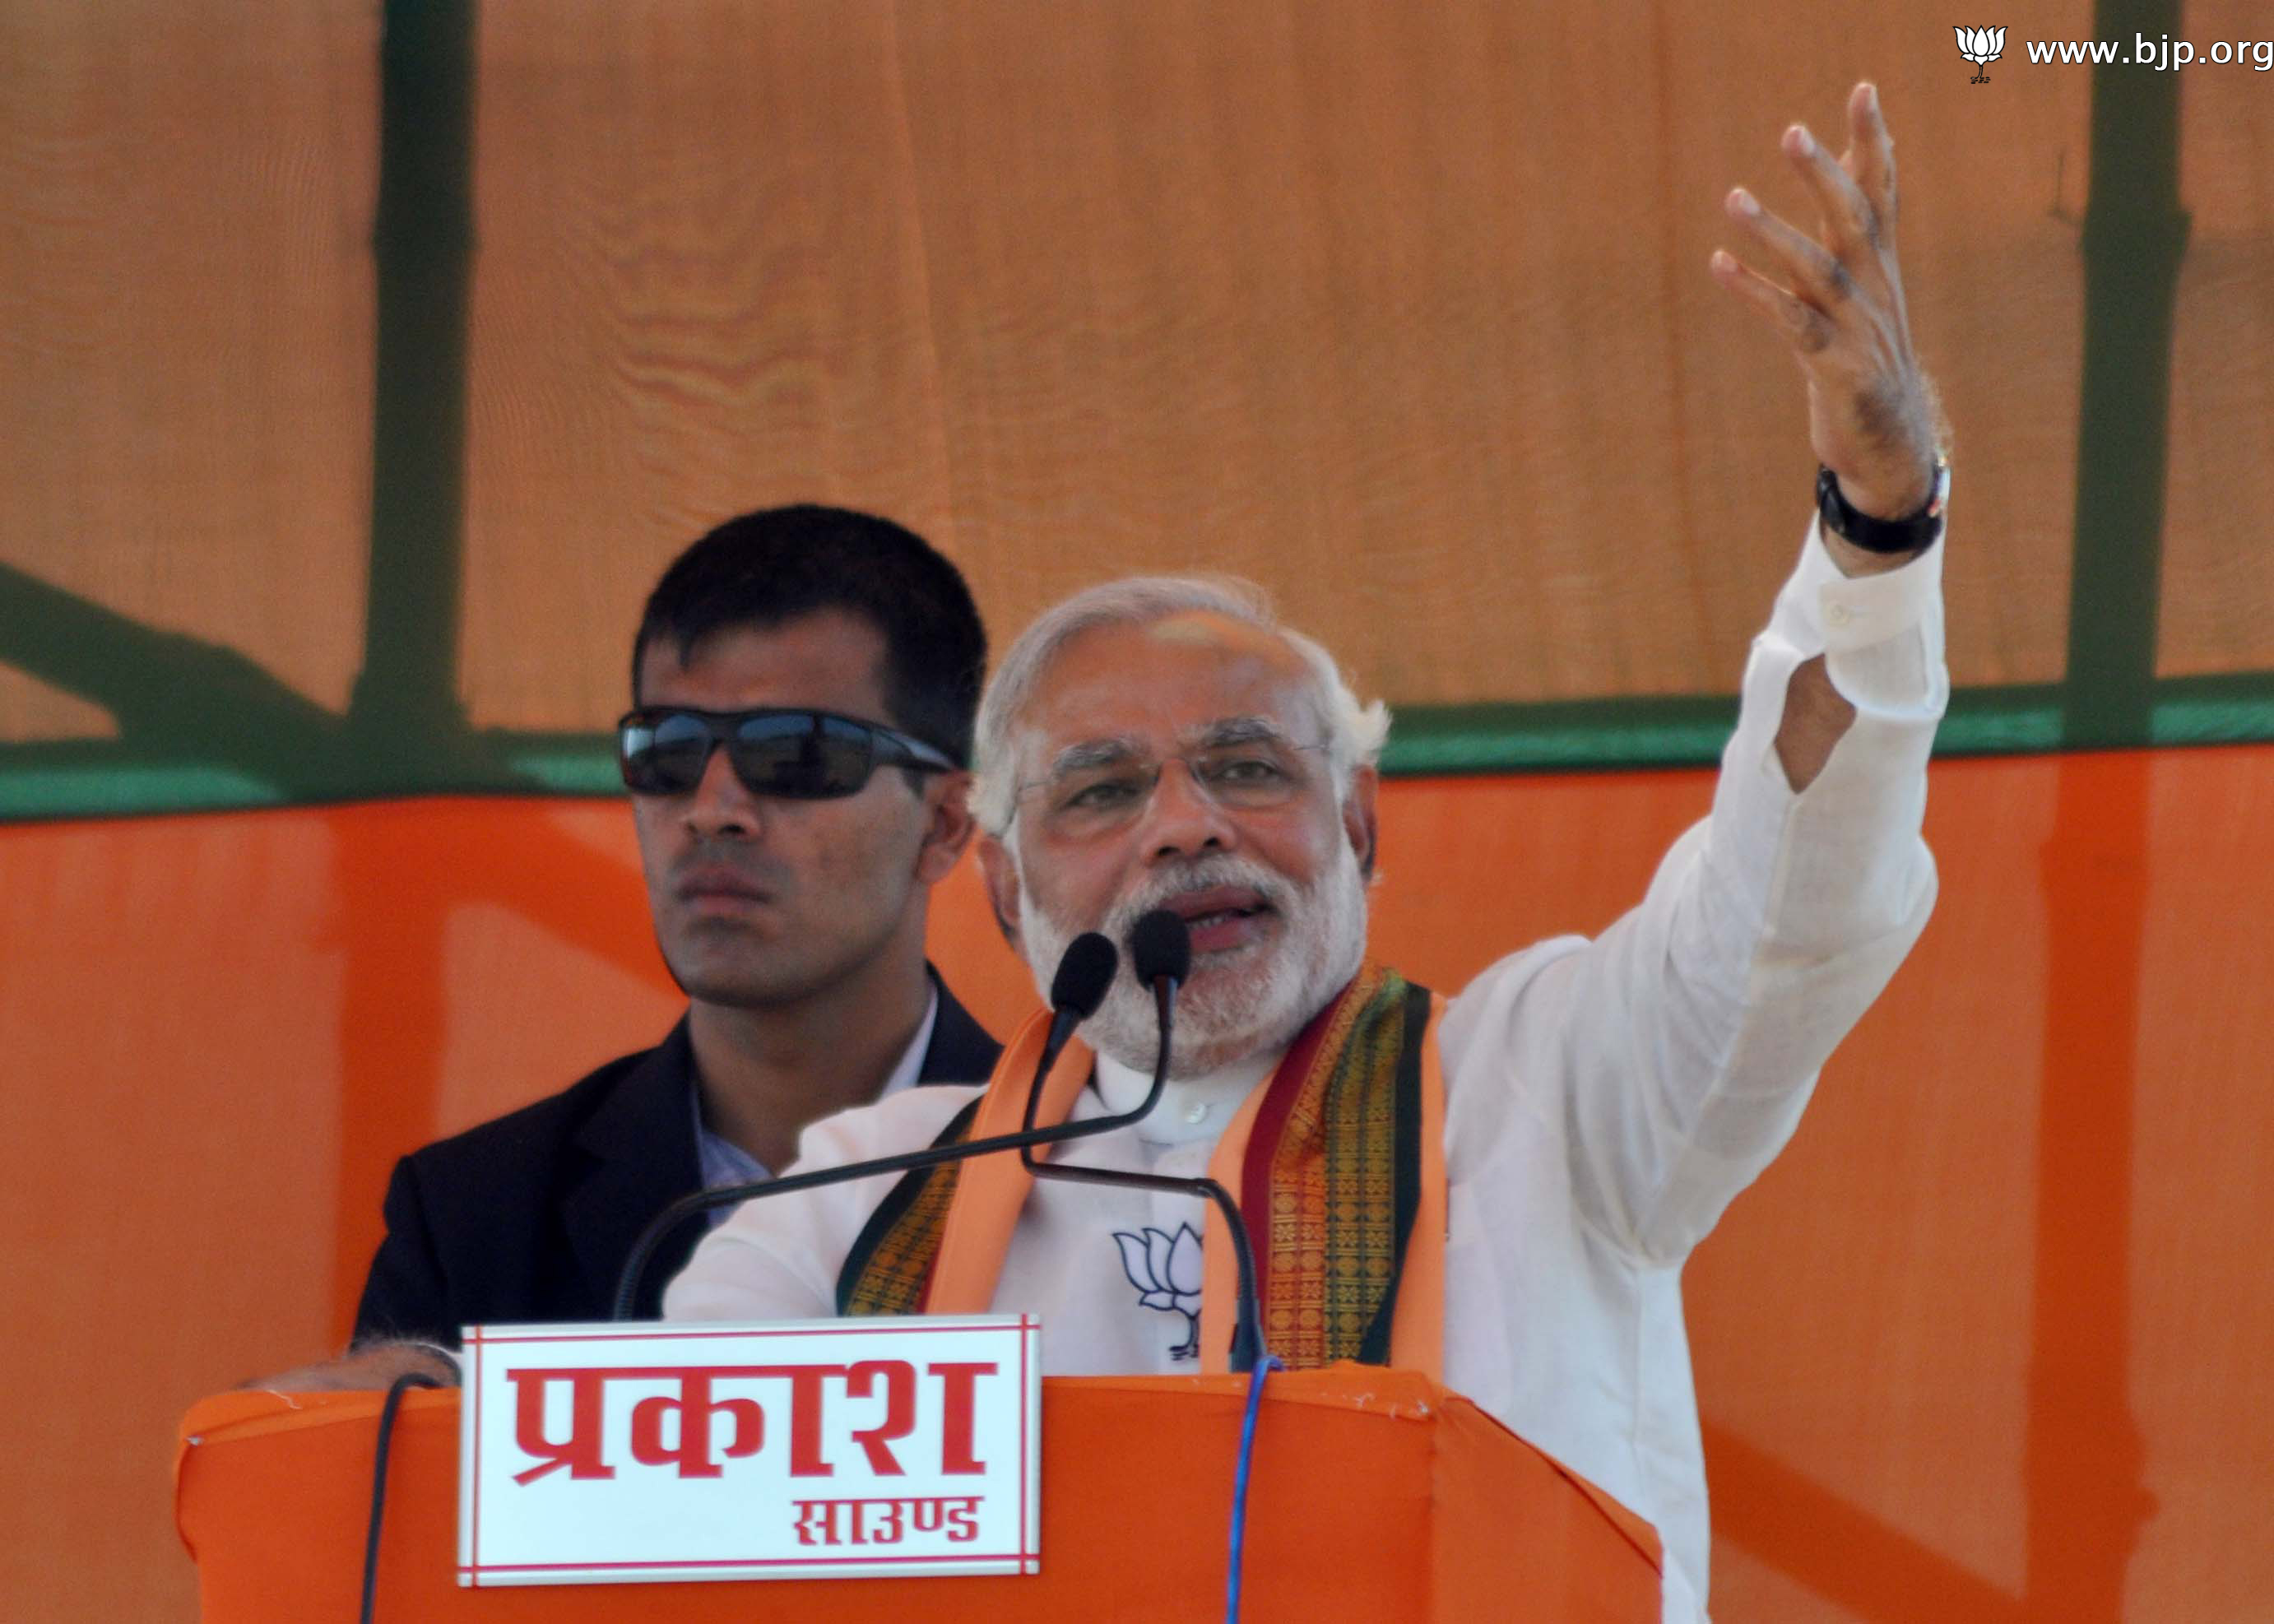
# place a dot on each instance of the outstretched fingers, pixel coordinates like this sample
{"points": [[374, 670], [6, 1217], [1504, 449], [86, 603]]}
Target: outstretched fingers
{"points": [[1836, 299], [1851, 225], [1815, 273], [1806, 326], [1808, 285], [1871, 156]]}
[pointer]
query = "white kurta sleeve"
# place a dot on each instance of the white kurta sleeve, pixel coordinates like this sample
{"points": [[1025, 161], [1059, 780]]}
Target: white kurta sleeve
{"points": [[1679, 1047], [778, 1258]]}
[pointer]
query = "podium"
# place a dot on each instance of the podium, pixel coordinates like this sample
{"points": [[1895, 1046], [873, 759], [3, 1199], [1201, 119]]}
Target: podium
{"points": [[1377, 1495]]}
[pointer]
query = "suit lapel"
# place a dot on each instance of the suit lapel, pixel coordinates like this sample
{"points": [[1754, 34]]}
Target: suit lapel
{"points": [[642, 1142], [961, 1050]]}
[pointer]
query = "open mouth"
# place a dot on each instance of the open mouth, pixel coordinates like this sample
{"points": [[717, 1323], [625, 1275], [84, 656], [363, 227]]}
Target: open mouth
{"points": [[1224, 918]]}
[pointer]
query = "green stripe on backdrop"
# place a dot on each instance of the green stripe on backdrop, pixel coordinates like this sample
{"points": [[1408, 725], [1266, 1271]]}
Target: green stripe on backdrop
{"points": [[2136, 234], [1603, 735], [1684, 732], [108, 779], [406, 705]]}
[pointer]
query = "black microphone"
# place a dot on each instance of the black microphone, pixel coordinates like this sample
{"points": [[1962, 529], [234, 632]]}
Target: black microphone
{"points": [[1161, 953], [1085, 973], [1084, 976], [1160, 948]]}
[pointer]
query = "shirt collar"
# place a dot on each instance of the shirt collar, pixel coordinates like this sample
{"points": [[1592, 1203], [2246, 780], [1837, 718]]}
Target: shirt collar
{"points": [[1190, 1107], [724, 1163], [912, 1058]]}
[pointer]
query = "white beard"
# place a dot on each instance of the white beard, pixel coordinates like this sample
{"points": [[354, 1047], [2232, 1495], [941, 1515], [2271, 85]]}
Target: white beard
{"points": [[1236, 1002]]}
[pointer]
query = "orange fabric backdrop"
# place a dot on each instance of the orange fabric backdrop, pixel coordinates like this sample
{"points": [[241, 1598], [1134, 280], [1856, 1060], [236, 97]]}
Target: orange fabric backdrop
{"points": [[1986, 1344]]}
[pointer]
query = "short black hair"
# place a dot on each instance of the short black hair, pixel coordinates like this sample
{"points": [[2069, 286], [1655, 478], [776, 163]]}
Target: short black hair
{"points": [[764, 569]]}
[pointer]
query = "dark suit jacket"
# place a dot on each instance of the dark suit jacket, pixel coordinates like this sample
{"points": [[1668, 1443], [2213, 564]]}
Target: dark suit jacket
{"points": [[532, 1217]]}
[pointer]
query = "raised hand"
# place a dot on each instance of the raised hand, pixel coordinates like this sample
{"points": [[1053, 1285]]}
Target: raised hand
{"points": [[1837, 298]]}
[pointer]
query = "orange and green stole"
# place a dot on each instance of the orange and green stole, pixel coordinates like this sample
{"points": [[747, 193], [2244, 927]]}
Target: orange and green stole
{"points": [[1337, 1162]]}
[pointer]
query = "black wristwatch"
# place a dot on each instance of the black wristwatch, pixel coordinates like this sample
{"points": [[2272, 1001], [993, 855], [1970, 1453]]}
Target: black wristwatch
{"points": [[1914, 534]]}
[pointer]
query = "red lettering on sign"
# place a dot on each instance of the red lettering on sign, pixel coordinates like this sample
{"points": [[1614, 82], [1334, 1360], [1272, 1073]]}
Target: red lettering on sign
{"points": [[805, 1402], [883, 1519], [580, 1452], [695, 1408], [963, 1518], [899, 1378], [885, 1522], [817, 1520], [955, 1432]]}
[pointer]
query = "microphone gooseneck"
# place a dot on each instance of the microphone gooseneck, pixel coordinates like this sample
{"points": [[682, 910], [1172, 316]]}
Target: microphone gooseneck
{"points": [[1161, 954], [1086, 973], [1091, 983]]}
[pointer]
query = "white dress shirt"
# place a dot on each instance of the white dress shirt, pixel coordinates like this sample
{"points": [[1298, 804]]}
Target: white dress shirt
{"points": [[1606, 1098], [724, 1163]]}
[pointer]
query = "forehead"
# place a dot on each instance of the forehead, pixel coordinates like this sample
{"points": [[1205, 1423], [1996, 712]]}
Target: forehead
{"points": [[1162, 681], [829, 660]]}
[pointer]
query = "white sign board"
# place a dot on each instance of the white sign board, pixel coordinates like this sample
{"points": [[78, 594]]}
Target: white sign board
{"points": [[833, 1448]]}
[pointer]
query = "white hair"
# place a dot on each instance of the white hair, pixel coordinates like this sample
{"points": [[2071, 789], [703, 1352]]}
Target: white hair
{"points": [[1355, 731]]}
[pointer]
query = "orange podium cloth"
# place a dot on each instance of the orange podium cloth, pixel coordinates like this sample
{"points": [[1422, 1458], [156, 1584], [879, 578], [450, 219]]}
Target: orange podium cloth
{"points": [[1376, 1494]]}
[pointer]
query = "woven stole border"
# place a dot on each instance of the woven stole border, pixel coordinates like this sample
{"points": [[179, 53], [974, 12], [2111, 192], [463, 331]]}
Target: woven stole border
{"points": [[1333, 1159], [890, 1265]]}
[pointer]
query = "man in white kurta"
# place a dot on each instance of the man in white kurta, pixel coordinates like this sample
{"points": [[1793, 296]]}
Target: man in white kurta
{"points": [[1605, 1099]]}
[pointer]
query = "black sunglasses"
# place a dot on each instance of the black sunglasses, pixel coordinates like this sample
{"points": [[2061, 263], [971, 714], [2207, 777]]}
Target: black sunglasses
{"points": [[797, 755]]}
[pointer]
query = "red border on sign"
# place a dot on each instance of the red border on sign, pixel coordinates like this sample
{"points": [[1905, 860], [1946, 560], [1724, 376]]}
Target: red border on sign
{"points": [[1021, 1561], [1026, 1536], [669, 1335], [475, 1342], [1007, 1557]]}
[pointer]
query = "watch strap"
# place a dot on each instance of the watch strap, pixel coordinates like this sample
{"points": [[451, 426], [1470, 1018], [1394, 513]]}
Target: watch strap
{"points": [[1912, 534]]}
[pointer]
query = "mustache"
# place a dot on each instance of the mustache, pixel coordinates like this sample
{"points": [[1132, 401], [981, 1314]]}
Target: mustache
{"points": [[1201, 874]]}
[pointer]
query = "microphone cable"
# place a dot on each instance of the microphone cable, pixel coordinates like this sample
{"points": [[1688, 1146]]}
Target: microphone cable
{"points": [[1084, 974], [1264, 1366], [1161, 955], [393, 1401]]}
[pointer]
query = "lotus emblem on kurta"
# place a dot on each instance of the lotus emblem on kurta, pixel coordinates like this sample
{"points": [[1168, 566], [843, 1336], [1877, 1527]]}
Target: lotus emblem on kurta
{"points": [[1166, 1270]]}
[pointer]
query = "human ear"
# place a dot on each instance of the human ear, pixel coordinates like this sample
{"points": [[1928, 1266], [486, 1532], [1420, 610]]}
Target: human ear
{"points": [[948, 827], [1000, 870], [1359, 826]]}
